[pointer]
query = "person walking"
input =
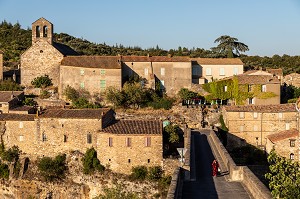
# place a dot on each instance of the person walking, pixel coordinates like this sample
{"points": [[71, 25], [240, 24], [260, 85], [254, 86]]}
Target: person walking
{"points": [[215, 166]]}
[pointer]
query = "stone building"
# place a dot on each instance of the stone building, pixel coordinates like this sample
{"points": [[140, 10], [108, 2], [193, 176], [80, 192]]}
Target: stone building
{"points": [[44, 56], [205, 70], [253, 123], [120, 144], [285, 143], [292, 79]]}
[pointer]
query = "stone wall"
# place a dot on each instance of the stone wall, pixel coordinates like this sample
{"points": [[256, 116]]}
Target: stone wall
{"points": [[39, 60], [254, 127], [89, 79], [121, 158], [283, 147]]}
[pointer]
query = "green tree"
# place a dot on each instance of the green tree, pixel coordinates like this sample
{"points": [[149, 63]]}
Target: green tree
{"points": [[155, 173], [229, 46], [118, 191], [114, 96], [134, 94], [41, 81], [139, 172], [71, 93], [90, 162], [170, 133], [186, 94], [53, 169], [284, 177], [7, 85]]}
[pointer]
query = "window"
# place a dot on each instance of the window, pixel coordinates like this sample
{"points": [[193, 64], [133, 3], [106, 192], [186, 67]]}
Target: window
{"points": [[81, 72], [251, 101], [241, 128], [225, 88], [82, 85], [21, 138], [146, 71], [21, 125], [208, 71], [292, 156], [280, 115], [44, 137], [128, 142], [148, 160], [162, 71], [235, 70], [129, 160], [148, 141], [45, 31], [287, 126], [65, 138], [249, 88], [37, 31], [102, 72], [292, 143], [110, 142], [102, 84], [222, 71], [255, 115], [263, 88], [255, 128], [89, 138], [242, 115], [162, 84]]}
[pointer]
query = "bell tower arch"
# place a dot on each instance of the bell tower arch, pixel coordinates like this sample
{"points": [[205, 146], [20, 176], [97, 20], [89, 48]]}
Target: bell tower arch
{"points": [[42, 29]]}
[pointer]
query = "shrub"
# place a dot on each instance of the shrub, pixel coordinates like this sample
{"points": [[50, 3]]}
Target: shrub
{"points": [[4, 171], [52, 169], [71, 93], [41, 82], [155, 173], [12, 154], [139, 172], [45, 94], [29, 101], [7, 85], [164, 103], [91, 162]]}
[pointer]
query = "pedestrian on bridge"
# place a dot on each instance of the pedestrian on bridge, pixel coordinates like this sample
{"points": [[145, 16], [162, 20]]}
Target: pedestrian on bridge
{"points": [[215, 166]]}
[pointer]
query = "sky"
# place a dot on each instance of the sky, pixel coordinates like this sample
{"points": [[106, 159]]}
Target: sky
{"points": [[268, 27]]}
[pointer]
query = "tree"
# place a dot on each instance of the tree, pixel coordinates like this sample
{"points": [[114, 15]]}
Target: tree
{"points": [[118, 191], [52, 169], [41, 81], [134, 94], [284, 177], [90, 162], [171, 133], [186, 94], [114, 96], [229, 46]]}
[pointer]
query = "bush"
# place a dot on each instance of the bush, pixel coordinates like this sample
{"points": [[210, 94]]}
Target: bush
{"points": [[4, 171], [71, 93], [29, 102], [164, 103], [12, 154], [52, 169], [45, 94], [7, 85], [41, 82], [155, 173], [91, 162], [139, 172]]}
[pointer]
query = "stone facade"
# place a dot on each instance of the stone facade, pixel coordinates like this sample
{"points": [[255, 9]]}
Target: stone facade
{"points": [[253, 123], [10, 100], [285, 143], [292, 79]]}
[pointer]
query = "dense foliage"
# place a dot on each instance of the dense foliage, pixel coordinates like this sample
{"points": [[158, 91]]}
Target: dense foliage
{"points": [[284, 177], [171, 134], [41, 81], [117, 191], [53, 169], [8, 85], [289, 94], [139, 173], [90, 162], [186, 94]]}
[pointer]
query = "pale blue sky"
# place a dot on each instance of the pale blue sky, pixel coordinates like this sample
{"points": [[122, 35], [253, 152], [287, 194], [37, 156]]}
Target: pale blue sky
{"points": [[268, 27]]}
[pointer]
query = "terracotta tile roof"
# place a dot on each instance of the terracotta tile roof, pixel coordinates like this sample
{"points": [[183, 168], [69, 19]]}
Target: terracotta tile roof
{"points": [[155, 59], [275, 71], [263, 108], [16, 117], [218, 61], [108, 62], [135, 127], [74, 113], [257, 79], [292, 133], [5, 96], [64, 49], [21, 108], [254, 71]]}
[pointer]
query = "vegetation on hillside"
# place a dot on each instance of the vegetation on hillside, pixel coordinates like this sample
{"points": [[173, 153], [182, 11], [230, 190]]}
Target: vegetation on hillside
{"points": [[90, 162], [14, 40], [53, 168]]}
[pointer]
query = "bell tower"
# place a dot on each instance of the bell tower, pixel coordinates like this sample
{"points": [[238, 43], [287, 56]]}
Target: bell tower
{"points": [[42, 29]]}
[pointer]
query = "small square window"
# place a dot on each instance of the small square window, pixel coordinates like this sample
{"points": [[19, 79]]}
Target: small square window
{"points": [[21, 138], [129, 160], [280, 115], [89, 138], [148, 160], [208, 71], [65, 138], [292, 143], [255, 115], [44, 137], [21, 125], [287, 126], [162, 71], [110, 142], [81, 72], [82, 85], [102, 84], [222, 71], [128, 142], [148, 141], [225, 88], [242, 115], [263, 88], [292, 156], [102, 72]]}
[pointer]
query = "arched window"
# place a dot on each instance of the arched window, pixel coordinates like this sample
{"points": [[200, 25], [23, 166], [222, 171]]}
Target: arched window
{"points": [[37, 31], [292, 156], [45, 31]]}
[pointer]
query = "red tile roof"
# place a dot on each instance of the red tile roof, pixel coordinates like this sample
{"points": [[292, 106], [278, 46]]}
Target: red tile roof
{"points": [[154, 59], [134, 127], [74, 113], [6, 96], [262, 108], [16, 117], [218, 61], [292, 133], [275, 71], [107, 62]]}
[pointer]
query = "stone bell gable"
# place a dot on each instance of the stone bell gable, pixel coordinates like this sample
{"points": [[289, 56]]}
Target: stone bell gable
{"points": [[44, 56]]}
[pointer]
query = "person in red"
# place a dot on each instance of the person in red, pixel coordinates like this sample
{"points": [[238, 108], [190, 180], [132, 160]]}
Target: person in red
{"points": [[215, 166]]}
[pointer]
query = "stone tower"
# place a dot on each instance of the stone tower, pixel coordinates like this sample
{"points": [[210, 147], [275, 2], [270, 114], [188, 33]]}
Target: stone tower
{"points": [[1, 65], [42, 29]]}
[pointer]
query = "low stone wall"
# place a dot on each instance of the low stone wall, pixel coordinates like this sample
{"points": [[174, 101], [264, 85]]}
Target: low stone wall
{"points": [[175, 188], [240, 173]]}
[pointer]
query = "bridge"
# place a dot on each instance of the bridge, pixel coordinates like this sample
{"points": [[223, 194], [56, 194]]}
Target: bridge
{"points": [[194, 179]]}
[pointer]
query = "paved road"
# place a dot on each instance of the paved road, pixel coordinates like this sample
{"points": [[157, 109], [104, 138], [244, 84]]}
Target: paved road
{"points": [[204, 185]]}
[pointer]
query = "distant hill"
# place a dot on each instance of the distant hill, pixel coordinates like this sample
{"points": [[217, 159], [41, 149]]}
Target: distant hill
{"points": [[14, 41]]}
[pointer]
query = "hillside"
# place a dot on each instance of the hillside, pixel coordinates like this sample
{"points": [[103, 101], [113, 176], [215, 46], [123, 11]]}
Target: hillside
{"points": [[14, 41]]}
